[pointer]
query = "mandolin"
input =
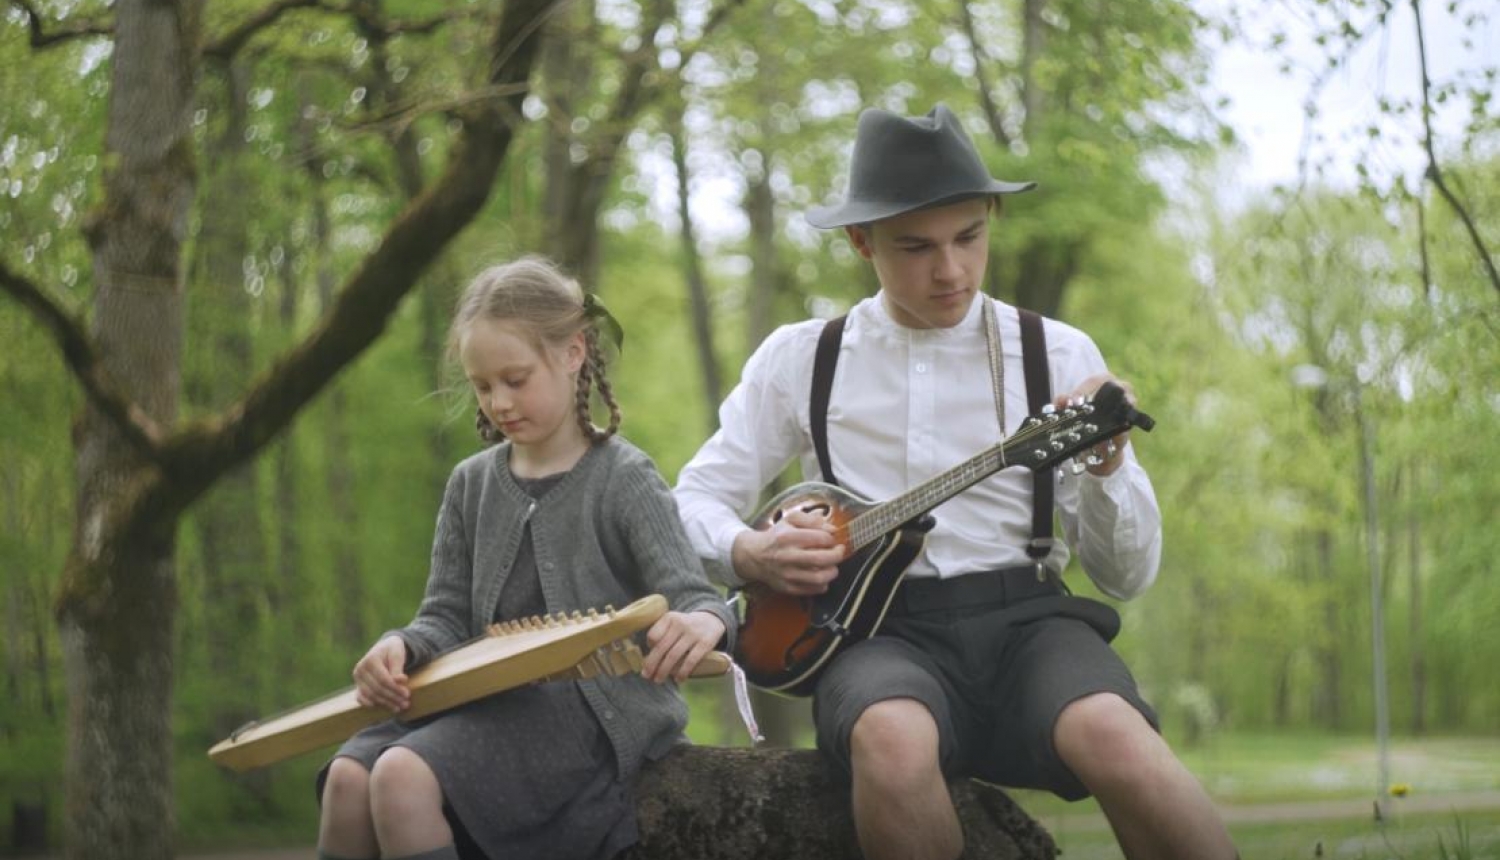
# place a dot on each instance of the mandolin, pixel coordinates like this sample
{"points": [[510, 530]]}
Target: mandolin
{"points": [[786, 640], [512, 653]]}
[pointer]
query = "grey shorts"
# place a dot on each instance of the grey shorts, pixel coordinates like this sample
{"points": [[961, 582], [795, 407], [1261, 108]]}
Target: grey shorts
{"points": [[995, 674]]}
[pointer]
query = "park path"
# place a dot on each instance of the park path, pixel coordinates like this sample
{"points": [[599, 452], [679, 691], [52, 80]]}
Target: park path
{"points": [[1261, 813], [1316, 810]]}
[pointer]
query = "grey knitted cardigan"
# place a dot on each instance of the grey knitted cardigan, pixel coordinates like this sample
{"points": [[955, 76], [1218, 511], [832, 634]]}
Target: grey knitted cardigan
{"points": [[607, 533]]}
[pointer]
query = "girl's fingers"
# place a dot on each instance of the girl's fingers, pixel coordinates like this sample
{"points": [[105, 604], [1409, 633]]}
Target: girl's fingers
{"points": [[672, 659], [694, 656]]}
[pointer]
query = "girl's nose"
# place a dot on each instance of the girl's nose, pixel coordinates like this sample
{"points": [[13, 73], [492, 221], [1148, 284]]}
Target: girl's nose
{"points": [[497, 403]]}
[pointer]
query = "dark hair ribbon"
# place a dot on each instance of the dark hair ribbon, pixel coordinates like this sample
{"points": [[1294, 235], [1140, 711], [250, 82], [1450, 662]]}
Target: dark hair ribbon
{"points": [[595, 310]]}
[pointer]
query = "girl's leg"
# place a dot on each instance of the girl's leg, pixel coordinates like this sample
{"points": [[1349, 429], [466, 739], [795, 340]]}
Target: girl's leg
{"points": [[407, 804], [346, 828]]}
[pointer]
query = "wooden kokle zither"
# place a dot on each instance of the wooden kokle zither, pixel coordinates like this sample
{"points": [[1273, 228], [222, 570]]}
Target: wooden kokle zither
{"points": [[511, 654]]}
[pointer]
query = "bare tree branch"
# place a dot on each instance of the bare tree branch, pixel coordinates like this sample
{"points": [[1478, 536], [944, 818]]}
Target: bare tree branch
{"points": [[226, 45], [1434, 171], [79, 354], [63, 32], [986, 94], [207, 449], [375, 24], [716, 18], [229, 43]]}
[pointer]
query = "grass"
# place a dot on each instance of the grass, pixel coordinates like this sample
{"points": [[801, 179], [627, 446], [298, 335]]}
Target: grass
{"points": [[1321, 789], [1261, 768], [1473, 836]]}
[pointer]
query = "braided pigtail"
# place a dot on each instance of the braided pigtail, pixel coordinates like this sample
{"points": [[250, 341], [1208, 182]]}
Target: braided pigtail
{"points": [[591, 375], [489, 434]]}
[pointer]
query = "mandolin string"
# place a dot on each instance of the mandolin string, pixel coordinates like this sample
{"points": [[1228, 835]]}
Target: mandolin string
{"points": [[873, 523]]}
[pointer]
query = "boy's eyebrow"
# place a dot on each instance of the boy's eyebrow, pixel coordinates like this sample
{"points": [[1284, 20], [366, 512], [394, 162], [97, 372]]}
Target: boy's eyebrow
{"points": [[978, 223]]}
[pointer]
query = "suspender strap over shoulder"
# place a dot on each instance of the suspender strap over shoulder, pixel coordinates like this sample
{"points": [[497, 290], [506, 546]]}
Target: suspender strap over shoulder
{"points": [[824, 361], [1038, 395]]}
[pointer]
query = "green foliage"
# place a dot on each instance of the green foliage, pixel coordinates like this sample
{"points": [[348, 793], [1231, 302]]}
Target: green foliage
{"points": [[1260, 618]]}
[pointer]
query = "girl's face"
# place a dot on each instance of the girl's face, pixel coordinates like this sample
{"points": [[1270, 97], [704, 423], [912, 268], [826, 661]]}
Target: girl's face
{"points": [[528, 394]]}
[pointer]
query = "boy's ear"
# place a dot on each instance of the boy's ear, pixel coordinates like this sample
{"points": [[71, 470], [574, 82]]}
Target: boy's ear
{"points": [[859, 237]]}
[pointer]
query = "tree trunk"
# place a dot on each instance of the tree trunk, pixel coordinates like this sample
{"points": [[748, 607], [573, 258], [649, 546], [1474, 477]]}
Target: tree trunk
{"points": [[706, 803], [287, 588], [1414, 607], [136, 472], [1327, 698], [221, 361], [119, 594], [25, 619], [338, 464], [1033, 46], [766, 282], [581, 166], [1047, 266], [692, 267]]}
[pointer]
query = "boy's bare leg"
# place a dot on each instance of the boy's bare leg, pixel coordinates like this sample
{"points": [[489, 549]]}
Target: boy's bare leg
{"points": [[902, 809]]}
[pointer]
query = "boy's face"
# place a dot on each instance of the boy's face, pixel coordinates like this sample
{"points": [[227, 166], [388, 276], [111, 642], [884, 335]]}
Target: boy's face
{"points": [[930, 262]]}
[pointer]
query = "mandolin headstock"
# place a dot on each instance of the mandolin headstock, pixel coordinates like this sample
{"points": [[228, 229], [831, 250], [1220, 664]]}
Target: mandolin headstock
{"points": [[1054, 435]]}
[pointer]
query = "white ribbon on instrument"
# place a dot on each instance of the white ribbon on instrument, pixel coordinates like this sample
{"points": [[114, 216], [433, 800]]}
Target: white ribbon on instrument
{"points": [[742, 700]]}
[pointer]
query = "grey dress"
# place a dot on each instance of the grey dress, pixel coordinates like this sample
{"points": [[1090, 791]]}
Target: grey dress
{"points": [[534, 772]]}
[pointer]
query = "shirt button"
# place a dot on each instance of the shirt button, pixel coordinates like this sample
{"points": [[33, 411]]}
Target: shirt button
{"points": [[921, 367], [546, 565]]}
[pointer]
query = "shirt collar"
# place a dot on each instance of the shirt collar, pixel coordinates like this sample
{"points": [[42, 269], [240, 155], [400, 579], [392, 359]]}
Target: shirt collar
{"points": [[881, 323]]}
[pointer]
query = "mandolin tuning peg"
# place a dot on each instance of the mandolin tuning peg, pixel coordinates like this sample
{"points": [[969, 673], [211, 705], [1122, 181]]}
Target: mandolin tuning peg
{"points": [[1049, 409], [593, 615], [1077, 467], [609, 609]]}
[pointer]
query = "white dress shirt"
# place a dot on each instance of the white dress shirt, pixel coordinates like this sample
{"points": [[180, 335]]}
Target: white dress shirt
{"points": [[906, 405]]}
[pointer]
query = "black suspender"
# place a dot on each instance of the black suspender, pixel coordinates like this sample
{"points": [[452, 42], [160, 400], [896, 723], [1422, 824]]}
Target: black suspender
{"points": [[824, 361], [1038, 394]]}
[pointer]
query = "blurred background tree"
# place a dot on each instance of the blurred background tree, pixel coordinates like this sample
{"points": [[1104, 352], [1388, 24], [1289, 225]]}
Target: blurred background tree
{"points": [[328, 157]]}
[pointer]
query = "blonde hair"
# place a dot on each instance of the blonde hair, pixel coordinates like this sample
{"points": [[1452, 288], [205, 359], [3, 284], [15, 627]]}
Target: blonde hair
{"points": [[548, 308]]}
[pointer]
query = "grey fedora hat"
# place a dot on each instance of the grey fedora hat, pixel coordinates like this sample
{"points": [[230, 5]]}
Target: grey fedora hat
{"points": [[902, 164]]}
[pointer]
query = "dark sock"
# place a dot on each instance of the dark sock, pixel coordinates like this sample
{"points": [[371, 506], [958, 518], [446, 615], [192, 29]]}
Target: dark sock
{"points": [[447, 852]]}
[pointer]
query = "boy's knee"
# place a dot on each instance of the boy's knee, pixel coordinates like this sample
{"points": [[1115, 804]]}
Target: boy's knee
{"points": [[895, 741], [1105, 734]]}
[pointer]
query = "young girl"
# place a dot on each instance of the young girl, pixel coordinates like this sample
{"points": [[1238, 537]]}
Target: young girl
{"points": [[557, 515]]}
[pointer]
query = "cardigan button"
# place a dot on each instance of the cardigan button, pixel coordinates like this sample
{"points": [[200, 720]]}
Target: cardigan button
{"points": [[609, 715], [546, 565]]}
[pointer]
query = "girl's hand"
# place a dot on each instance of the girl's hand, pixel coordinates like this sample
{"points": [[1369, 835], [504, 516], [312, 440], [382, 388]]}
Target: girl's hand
{"points": [[379, 676], [677, 641]]}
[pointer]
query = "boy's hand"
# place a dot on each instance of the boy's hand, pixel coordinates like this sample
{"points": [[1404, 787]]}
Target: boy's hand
{"points": [[798, 555], [1110, 452]]}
